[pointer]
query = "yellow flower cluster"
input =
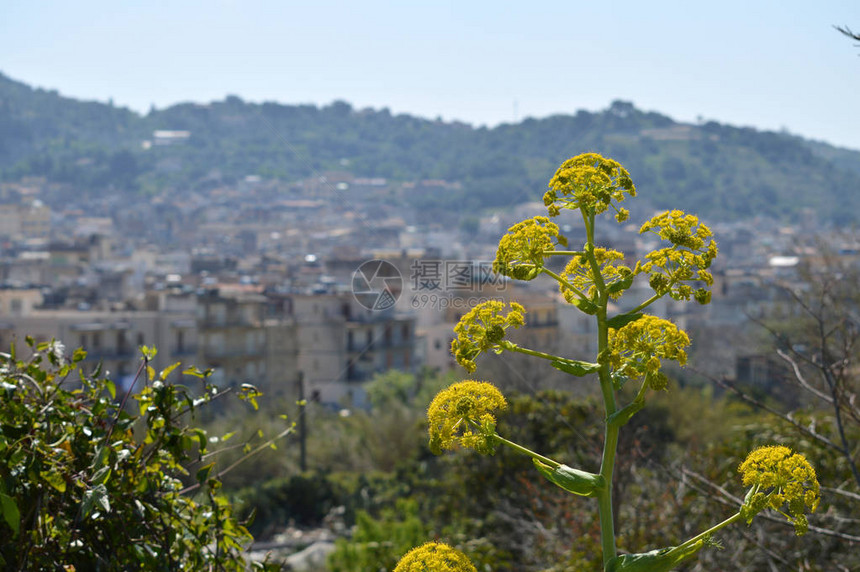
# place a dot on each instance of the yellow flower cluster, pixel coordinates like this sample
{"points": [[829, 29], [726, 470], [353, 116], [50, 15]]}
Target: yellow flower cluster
{"points": [[463, 414], [434, 557], [671, 269], [482, 329], [578, 273], [779, 477], [635, 350], [521, 251], [589, 181]]}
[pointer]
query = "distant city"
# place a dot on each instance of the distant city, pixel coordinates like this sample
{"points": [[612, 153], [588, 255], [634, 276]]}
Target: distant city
{"points": [[261, 280]]}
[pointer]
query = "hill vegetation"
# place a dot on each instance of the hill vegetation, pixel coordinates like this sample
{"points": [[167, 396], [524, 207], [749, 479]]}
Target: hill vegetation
{"points": [[719, 171]]}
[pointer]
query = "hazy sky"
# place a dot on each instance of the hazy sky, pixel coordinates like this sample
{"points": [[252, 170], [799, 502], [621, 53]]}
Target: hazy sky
{"points": [[765, 64]]}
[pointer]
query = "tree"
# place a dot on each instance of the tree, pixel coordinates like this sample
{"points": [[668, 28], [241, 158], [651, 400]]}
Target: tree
{"points": [[814, 334], [820, 347], [87, 485]]}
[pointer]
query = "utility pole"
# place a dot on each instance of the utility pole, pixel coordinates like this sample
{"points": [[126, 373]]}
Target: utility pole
{"points": [[303, 434]]}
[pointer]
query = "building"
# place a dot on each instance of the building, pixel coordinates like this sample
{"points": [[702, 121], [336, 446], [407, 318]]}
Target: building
{"points": [[248, 337], [342, 345], [112, 338]]}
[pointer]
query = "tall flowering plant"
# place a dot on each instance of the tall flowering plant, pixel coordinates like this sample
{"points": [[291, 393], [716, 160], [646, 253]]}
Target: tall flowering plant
{"points": [[633, 347]]}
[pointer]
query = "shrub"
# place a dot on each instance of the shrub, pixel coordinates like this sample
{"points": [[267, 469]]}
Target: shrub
{"points": [[87, 485]]}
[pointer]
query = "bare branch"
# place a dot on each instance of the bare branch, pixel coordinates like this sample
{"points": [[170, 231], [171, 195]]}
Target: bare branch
{"points": [[768, 551], [841, 492], [798, 375], [761, 405], [735, 500], [242, 459], [846, 31]]}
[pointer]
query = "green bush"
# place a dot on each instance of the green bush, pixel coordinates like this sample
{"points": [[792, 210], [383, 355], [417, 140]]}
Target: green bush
{"points": [[86, 485], [304, 499], [376, 544]]}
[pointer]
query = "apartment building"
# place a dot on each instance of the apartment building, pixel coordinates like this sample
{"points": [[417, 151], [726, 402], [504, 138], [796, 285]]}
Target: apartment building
{"points": [[342, 345]]}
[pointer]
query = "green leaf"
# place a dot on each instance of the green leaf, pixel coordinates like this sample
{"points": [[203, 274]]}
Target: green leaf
{"points": [[142, 485], [102, 498], [101, 476], [202, 440], [95, 498], [575, 367], [621, 320], [572, 480], [620, 285], [168, 370], [661, 560], [148, 352], [624, 414], [586, 306], [250, 519], [249, 393], [55, 480], [111, 387], [193, 371], [11, 514], [204, 472], [100, 458]]}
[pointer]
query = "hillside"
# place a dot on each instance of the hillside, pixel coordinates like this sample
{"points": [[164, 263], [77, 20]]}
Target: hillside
{"points": [[717, 170]]}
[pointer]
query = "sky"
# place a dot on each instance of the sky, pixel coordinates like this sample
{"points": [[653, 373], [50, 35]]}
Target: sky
{"points": [[772, 65]]}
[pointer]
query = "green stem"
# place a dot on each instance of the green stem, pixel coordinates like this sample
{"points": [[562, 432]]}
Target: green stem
{"points": [[681, 548], [532, 454], [624, 414], [645, 304], [652, 299], [640, 395], [610, 443], [515, 348], [564, 283], [597, 277], [563, 252], [607, 466]]}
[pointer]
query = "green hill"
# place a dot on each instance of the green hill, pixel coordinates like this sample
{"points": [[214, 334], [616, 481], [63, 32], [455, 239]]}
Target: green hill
{"points": [[717, 170]]}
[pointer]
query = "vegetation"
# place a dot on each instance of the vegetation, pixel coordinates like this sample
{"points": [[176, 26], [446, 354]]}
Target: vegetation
{"points": [[676, 467], [631, 350], [721, 171], [681, 457], [87, 485]]}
